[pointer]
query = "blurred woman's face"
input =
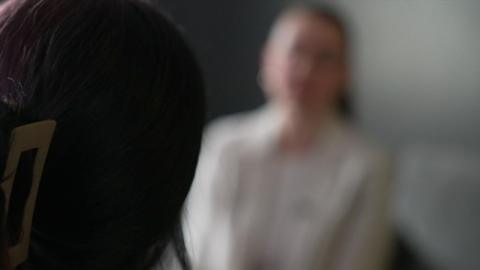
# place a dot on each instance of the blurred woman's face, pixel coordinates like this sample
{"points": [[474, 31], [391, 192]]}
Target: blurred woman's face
{"points": [[304, 65]]}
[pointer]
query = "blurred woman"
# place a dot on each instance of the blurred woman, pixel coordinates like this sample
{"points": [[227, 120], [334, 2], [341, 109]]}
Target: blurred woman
{"points": [[292, 185], [127, 96]]}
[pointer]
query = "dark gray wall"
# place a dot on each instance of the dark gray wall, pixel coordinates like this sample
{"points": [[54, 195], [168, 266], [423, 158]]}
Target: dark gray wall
{"points": [[227, 36]]}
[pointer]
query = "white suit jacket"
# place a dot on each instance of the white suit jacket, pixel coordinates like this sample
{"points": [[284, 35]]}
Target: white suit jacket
{"points": [[253, 208]]}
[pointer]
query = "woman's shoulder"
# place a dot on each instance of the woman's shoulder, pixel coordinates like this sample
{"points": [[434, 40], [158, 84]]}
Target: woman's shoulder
{"points": [[364, 152], [358, 143], [235, 130]]}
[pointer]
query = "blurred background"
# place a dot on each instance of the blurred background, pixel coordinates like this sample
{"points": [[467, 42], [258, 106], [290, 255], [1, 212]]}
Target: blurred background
{"points": [[417, 63], [416, 89]]}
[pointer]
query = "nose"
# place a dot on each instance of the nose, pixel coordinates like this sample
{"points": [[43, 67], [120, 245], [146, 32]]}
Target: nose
{"points": [[304, 68]]}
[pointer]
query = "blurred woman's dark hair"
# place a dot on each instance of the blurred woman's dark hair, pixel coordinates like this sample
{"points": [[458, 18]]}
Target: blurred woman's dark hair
{"points": [[127, 95], [333, 15]]}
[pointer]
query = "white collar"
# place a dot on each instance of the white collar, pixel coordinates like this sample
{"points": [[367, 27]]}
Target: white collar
{"points": [[268, 124]]}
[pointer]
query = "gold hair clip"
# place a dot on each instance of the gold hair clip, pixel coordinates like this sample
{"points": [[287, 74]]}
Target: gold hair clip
{"points": [[25, 138]]}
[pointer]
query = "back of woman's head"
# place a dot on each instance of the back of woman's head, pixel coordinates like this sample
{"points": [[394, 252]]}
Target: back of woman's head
{"points": [[127, 96]]}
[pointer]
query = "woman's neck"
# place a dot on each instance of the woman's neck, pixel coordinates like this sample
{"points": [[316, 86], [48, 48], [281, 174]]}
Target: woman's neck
{"points": [[299, 132]]}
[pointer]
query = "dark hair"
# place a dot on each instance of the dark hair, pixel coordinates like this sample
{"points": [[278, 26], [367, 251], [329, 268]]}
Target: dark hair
{"points": [[332, 15], [127, 95], [3, 235]]}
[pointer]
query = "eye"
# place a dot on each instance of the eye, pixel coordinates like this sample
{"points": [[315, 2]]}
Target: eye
{"points": [[297, 51]]}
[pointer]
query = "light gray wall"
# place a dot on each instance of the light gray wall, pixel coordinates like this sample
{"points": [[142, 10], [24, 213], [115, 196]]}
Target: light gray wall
{"points": [[418, 69]]}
